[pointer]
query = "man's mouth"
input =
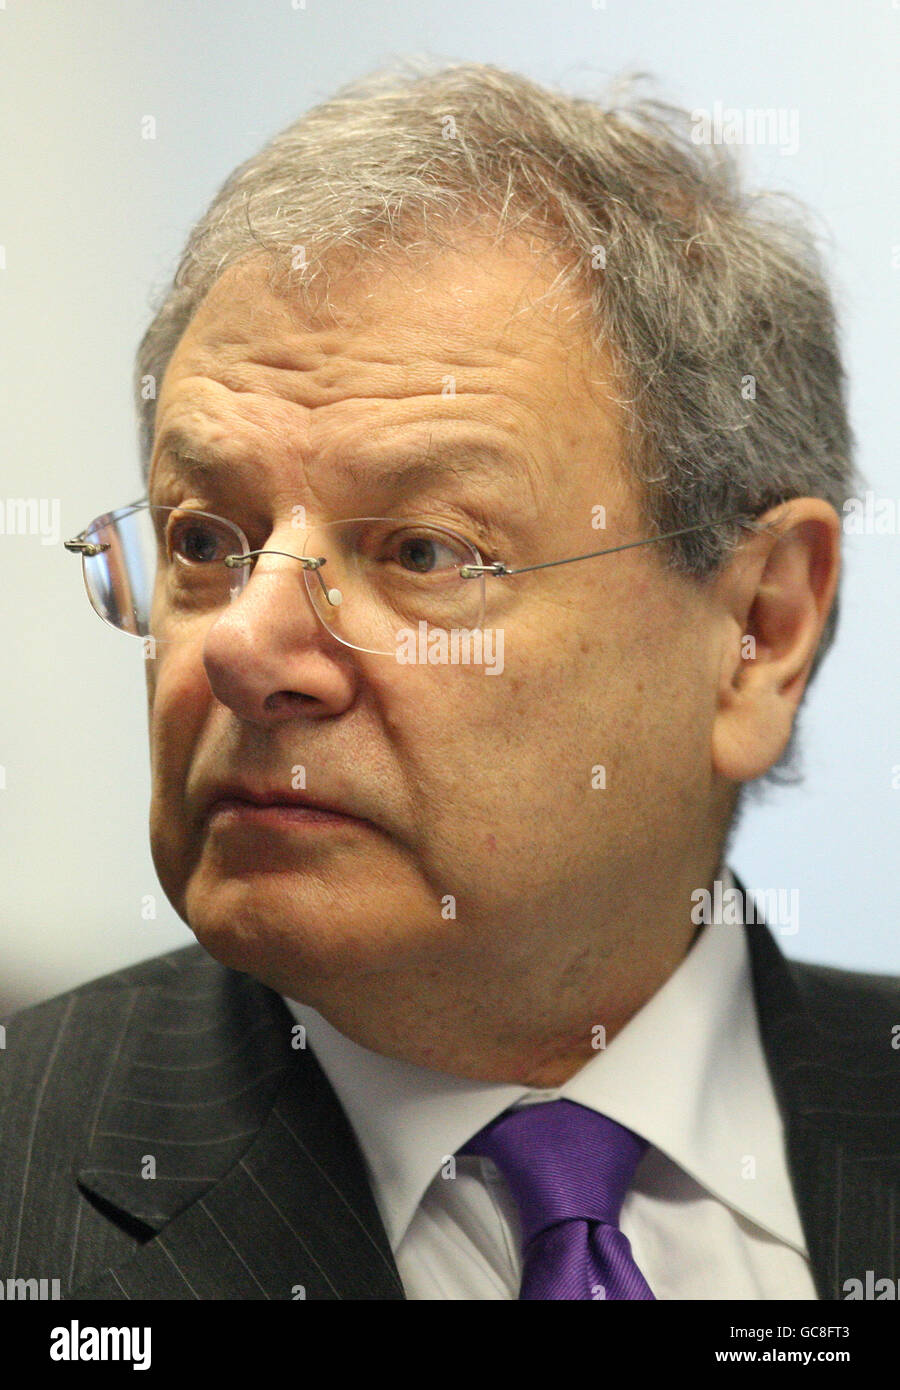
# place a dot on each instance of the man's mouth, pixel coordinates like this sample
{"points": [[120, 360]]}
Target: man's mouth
{"points": [[248, 806]]}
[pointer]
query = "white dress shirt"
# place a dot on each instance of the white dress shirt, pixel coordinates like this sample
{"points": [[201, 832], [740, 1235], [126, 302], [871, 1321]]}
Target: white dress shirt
{"points": [[710, 1214]]}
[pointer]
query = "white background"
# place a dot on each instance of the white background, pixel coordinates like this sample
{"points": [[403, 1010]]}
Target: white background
{"points": [[93, 220]]}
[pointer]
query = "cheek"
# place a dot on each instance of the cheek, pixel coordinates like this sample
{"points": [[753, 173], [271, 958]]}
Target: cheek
{"points": [[179, 702], [179, 699], [481, 756]]}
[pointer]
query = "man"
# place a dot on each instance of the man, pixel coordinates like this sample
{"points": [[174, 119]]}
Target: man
{"points": [[448, 732]]}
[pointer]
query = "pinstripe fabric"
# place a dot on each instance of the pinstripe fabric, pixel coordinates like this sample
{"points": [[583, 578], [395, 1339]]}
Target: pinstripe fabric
{"points": [[259, 1185], [259, 1188], [828, 1037]]}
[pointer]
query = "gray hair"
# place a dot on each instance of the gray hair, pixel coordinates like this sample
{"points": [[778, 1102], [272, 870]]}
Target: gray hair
{"points": [[712, 302]]}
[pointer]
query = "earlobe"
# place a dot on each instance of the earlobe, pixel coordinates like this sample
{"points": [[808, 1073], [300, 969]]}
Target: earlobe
{"points": [[751, 730]]}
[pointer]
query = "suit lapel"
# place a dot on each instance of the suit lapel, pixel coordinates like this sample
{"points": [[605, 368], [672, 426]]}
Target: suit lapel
{"points": [[828, 1046], [224, 1148]]}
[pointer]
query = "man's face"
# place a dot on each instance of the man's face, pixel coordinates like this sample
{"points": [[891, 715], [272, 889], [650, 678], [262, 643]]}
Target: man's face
{"points": [[477, 824]]}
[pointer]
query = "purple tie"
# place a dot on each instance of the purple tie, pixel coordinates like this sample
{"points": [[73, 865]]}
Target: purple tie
{"points": [[569, 1169]]}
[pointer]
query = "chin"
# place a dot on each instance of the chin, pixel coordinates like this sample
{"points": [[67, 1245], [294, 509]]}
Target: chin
{"points": [[284, 938]]}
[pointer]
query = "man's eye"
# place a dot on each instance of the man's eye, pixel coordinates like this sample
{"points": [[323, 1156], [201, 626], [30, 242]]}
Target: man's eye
{"points": [[198, 541], [420, 553], [427, 552]]}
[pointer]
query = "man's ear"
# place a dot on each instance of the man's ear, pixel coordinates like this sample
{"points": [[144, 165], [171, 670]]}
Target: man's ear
{"points": [[775, 597]]}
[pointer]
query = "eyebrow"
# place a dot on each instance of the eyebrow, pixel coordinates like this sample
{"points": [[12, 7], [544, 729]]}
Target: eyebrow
{"points": [[422, 462], [187, 452]]}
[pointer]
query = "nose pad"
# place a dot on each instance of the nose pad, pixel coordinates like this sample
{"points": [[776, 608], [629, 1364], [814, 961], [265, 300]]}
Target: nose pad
{"points": [[332, 596]]}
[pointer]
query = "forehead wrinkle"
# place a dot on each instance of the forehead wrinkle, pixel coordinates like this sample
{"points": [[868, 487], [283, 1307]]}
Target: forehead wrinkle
{"points": [[493, 405], [342, 379], [435, 461], [312, 369]]}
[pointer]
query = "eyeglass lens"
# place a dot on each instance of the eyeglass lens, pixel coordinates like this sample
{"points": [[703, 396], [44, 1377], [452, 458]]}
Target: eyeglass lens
{"points": [[161, 568]]}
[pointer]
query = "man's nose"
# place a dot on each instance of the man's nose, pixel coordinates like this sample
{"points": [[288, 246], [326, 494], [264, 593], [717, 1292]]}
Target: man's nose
{"points": [[267, 655]]}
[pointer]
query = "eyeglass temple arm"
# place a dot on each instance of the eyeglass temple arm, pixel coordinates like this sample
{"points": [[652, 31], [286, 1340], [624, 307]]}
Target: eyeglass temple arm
{"points": [[79, 546], [84, 547], [501, 571]]}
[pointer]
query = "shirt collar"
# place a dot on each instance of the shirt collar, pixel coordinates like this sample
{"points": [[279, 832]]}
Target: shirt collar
{"points": [[687, 1072]]}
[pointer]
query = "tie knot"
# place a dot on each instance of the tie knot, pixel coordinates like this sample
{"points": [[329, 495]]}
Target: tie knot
{"points": [[562, 1161]]}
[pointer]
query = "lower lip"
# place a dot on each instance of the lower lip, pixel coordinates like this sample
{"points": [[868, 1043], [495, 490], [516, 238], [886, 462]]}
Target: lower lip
{"points": [[279, 814]]}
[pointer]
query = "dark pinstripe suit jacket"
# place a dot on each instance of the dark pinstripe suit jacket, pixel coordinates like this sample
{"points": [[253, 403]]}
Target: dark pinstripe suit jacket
{"points": [[183, 1066]]}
